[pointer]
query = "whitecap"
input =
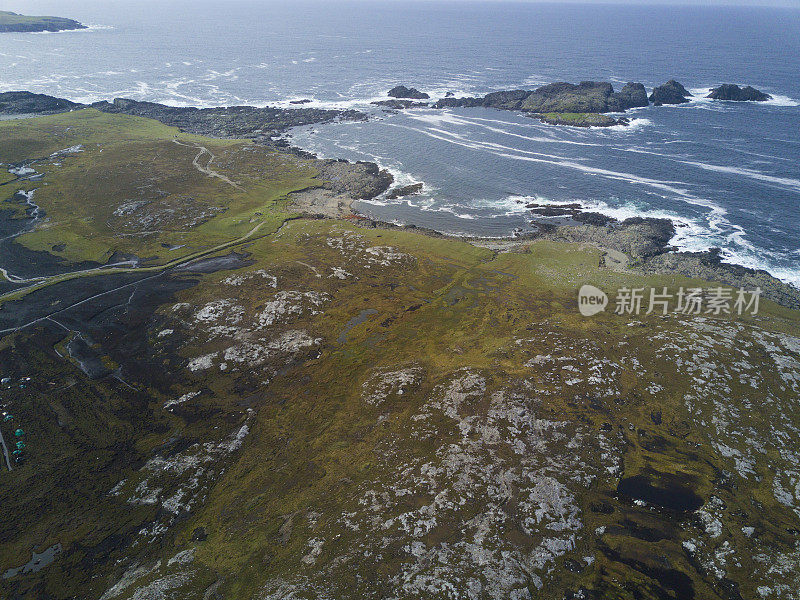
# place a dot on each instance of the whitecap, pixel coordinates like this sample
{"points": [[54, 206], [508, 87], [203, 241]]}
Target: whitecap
{"points": [[776, 100], [786, 182]]}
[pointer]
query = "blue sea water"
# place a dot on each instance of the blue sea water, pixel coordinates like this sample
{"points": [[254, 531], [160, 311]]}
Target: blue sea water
{"points": [[727, 173]]}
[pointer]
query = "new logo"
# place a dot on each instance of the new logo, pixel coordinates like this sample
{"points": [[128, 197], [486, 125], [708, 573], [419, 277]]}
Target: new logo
{"points": [[591, 300]]}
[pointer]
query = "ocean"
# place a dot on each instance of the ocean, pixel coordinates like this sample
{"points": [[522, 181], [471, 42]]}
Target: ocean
{"points": [[727, 173]]}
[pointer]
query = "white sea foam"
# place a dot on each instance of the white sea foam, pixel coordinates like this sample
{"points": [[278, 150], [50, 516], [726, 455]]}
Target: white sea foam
{"points": [[699, 97], [694, 234], [561, 161], [779, 100], [786, 182], [89, 28]]}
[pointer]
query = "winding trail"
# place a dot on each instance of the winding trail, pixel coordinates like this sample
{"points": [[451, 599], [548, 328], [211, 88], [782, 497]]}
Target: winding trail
{"points": [[16, 279], [109, 270], [207, 169]]}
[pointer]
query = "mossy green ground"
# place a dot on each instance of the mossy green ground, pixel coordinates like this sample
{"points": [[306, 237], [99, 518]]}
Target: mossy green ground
{"points": [[469, 432], [132, 188]]}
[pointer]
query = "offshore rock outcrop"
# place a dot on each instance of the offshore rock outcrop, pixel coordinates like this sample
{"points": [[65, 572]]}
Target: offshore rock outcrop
{"points": [[562, 97], [732, 92], [671, 92], [404, 92], [406, 190]]}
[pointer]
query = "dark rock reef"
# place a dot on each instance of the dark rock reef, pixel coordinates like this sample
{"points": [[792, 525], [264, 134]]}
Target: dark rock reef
{"points": [[406, 190], [399, 104], [671, 92], [638, 237], [402, 91], [20, 103], [708, 265], [562, 97], [228, 122], [731, 91], [14, 23]]}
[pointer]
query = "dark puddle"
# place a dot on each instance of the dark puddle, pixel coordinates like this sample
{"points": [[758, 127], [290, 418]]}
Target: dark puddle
{"points": [[234, 260], [670, 491], [88, 359], [355, 321], [36, 563]]}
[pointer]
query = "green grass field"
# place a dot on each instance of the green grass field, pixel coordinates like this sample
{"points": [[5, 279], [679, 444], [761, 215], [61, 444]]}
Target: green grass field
{"points": [[132, 188]]}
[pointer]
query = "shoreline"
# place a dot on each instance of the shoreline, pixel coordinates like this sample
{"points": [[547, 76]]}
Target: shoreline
{"points": [[639, 244], [643, 241]]}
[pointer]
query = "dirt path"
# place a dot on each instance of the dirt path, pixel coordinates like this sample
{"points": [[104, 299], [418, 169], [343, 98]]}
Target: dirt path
{"points": [[207, 169], [158, 270], [5, 451]]}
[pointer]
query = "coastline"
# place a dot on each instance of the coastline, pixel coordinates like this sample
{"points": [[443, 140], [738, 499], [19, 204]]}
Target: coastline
{"points": [[11, 22], [250, 357], [643, 242]]}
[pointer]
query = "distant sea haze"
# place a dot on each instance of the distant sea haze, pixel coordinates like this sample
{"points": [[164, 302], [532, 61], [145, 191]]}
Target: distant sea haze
{"points": [[727, 173]]}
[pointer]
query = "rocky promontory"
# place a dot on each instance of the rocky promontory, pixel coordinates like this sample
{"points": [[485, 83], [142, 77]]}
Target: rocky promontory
{"points": [[229, 121], [248, 122], [404, 92], [645, 243], [562, 97], [732, 92], [22, 103], [671, 92], [15, 23]]}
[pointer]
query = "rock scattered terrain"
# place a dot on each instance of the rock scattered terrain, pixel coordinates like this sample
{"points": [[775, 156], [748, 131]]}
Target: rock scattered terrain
{"points": [[228, 122]]}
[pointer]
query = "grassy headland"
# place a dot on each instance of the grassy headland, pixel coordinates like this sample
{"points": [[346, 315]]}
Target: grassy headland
{"points": [[349, 411], [13, 22]]}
